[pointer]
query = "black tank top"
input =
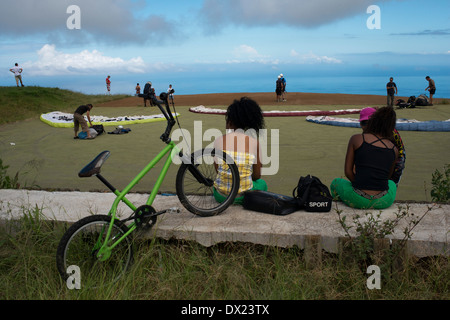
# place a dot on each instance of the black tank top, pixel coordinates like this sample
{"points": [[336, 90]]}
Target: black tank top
{"points": [[373, 165]]}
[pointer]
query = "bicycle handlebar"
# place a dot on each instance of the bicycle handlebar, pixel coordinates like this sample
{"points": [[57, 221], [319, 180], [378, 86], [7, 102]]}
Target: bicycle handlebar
{"points": [[167, 114]]}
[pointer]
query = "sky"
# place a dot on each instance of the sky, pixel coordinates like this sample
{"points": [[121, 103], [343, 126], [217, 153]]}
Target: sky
{"points": [[58, 40]]}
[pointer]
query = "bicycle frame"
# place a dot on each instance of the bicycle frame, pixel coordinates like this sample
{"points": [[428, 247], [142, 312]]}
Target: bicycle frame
{"points": [[170, 149], [105, 249]]}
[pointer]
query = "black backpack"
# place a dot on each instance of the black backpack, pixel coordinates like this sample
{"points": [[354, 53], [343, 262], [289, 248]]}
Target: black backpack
{"points": [[312, 195], [99, 128], [422, 100]]}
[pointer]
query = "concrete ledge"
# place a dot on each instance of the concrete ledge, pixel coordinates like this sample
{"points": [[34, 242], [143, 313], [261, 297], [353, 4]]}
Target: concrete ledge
{"points": [[430, 237]]}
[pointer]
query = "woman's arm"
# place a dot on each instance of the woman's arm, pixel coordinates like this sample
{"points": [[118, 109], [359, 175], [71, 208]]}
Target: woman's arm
{"points": [[256, 174], [350, 157]]}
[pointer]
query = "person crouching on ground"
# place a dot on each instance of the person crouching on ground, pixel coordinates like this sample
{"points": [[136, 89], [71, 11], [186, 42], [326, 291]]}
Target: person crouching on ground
{"points": [[369, 164], [244, 119], [78, 120]]}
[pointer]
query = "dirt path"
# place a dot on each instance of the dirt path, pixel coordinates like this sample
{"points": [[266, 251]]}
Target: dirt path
{"points": [[264, 98]]}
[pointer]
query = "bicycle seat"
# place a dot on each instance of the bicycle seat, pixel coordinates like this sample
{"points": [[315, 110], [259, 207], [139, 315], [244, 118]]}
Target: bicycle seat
{"points": [[94, 166]]}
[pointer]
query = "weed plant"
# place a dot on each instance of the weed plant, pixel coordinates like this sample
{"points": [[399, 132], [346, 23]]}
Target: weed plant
{"points": [[181, 270], [440, 191]]}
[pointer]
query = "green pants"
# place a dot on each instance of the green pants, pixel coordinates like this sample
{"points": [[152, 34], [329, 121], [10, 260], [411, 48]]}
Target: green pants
{"points": [[259, 184], [343, 190]]}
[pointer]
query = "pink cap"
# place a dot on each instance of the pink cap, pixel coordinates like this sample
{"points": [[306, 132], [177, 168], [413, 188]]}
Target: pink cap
{"points": [[366, 113]]}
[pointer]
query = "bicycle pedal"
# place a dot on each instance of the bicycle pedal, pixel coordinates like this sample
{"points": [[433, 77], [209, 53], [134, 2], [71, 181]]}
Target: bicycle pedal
{"points": [[173, 210]]}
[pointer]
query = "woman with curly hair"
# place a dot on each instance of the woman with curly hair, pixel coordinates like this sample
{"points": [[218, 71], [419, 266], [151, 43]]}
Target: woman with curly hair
{"points": [[369, 165], [244, 119]]}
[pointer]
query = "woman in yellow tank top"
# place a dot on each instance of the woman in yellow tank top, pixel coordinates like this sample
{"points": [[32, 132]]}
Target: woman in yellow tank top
{"points": [[244, 119]]}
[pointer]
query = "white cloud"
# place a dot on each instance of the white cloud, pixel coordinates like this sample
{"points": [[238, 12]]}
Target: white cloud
{"points": [[246, 51], [53, 62], [312, 58], [247, 54]]}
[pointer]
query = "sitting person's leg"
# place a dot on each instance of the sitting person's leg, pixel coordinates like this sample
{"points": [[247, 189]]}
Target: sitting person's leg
{"points": [[259, 184], [342, 189]]}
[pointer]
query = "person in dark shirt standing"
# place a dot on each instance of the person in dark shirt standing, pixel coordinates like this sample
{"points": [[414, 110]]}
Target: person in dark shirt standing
{"points": [[78, 120], [391, 91], [431, 87]]}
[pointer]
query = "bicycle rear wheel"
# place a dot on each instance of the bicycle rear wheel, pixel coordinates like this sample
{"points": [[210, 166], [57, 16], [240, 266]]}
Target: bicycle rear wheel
{"points": [[79, 247], [195, 183]]}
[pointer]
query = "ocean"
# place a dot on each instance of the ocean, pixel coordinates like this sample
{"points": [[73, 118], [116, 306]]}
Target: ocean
{"points": [[222, 82]]}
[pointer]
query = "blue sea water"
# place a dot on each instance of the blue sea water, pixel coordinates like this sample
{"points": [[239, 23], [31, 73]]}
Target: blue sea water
{"points": [[220, 82]]}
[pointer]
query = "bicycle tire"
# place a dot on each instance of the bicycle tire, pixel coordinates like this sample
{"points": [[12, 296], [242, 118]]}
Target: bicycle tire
{"points": [[78, 245], [197, 197]]}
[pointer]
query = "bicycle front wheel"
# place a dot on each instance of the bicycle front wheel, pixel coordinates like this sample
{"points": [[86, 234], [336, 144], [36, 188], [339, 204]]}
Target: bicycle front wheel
{"points": [[79, 247], [195, 183]]}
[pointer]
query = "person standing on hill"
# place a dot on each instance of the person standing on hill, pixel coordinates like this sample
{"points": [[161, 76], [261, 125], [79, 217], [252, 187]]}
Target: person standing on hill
{"points": [[138, 89], [279, 88], [391, 88], [108, 84], [17, 74], [170, 92], [283, 87], [431, 87]]}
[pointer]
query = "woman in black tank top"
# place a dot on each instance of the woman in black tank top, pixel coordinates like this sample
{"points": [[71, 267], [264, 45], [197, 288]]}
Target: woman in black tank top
{"points": [[369, 163]]}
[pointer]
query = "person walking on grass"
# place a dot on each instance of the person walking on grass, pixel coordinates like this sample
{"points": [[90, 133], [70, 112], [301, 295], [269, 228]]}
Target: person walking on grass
{"points": [[17, 74], [244, 119], [78, 120]]}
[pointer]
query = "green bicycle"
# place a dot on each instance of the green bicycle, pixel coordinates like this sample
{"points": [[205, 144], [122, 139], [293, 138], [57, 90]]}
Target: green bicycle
{"points": [[101, 245]]}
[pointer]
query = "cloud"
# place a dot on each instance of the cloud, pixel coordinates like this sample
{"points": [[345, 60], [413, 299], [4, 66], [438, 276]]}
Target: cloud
{"points": [[52, 62], [312, 58], [245, 50], [102, 21], [219, 13], [439, 32], [247, 54]]}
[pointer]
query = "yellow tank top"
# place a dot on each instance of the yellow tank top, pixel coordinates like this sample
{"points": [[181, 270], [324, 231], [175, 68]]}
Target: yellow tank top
{"points": [[244, 162]]}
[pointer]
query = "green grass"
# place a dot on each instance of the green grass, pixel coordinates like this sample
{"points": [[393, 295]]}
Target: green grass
{"points": [[304, 148], [23, 103], [179, 270]]}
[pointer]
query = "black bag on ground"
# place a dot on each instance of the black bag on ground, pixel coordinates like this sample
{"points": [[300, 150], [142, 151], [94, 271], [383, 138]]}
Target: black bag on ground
{"points": [[99, 128], [312, 195], [422, 100], [412, 100], [269, 202]]}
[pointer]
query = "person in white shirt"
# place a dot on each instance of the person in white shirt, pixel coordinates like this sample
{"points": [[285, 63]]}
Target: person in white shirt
{"points": [[170, 92], [17, 74]]}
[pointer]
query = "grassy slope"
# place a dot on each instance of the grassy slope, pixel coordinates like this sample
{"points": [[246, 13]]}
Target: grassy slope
{"points": [[23, 103]]}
